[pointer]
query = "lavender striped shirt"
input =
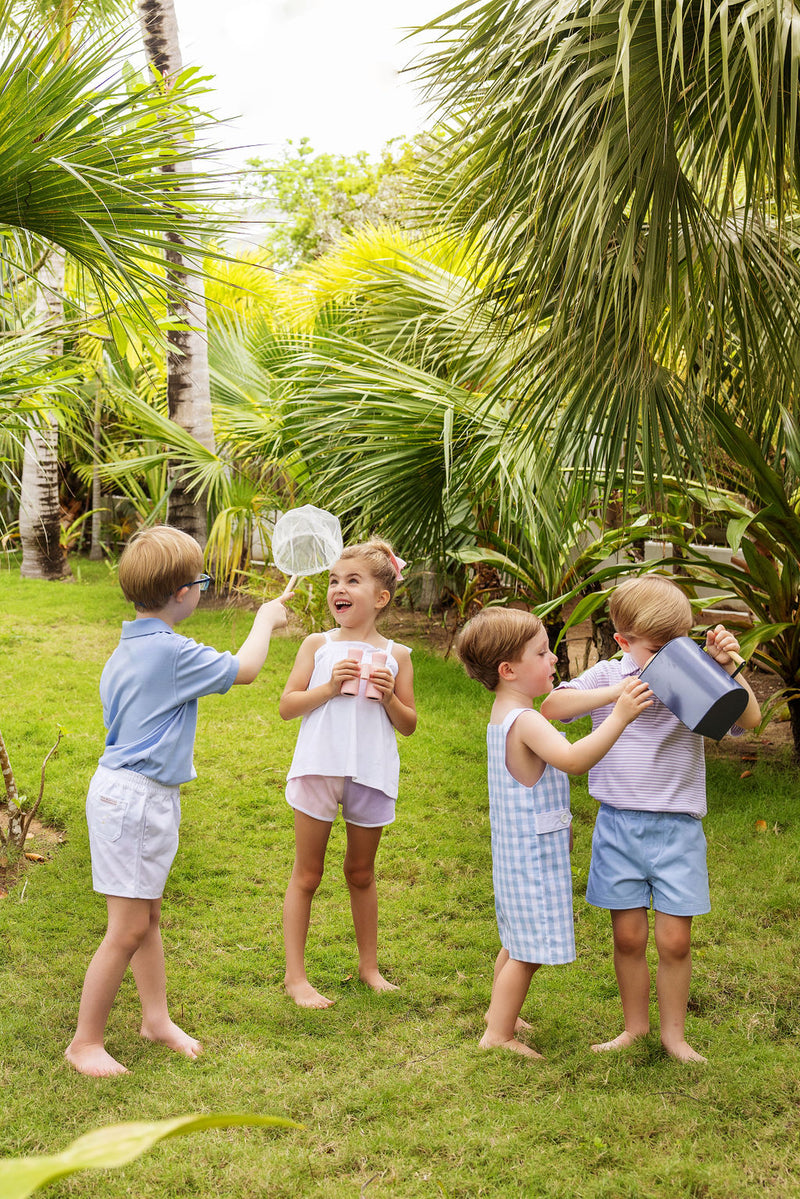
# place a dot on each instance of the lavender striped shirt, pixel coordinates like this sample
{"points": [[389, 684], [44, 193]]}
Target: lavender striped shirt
{"points": [[657, 765]]}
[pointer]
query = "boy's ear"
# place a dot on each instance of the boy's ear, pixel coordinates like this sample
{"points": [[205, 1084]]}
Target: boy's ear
{"points": [[623, 643], [505, 671]]}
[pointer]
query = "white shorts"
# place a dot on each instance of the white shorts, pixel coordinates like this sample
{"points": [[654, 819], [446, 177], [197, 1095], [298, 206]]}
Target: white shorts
{"points": [[319, 795], [133, 833]]}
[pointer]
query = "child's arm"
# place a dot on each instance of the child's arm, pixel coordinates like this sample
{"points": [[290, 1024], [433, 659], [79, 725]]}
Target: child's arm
{"points": [[398, 693], [568, 703], [575, 758], [253, 654], [721, 645], [297, 700]]}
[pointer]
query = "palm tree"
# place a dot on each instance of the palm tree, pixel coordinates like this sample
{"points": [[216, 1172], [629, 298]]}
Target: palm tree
{"points": [[188, 392], [39, 509], [81, 170], [632, 169], [43, 554]]}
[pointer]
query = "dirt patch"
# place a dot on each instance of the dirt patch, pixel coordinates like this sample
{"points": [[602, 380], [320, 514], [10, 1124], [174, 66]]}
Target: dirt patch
{"points": [[436, 631], [776, 740], [40, 847]]}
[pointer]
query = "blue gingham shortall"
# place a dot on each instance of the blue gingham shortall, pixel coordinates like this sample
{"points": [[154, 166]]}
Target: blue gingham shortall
{"points": [[530, 857]]}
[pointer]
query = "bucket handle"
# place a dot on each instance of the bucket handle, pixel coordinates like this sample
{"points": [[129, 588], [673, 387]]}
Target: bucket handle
{"points": [[738, 659]]}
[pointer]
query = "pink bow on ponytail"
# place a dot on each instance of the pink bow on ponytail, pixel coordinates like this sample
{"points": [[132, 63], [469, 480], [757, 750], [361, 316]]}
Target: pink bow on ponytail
{"points": [[398, 565]]}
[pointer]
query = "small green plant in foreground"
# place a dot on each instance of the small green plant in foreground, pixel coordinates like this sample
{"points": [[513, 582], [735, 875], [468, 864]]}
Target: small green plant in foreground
{"points": [[113, 1146], [396, 1099]]}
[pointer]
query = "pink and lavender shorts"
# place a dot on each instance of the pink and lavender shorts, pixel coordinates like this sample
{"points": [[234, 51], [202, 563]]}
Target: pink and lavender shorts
{"points": [[319, 796]]}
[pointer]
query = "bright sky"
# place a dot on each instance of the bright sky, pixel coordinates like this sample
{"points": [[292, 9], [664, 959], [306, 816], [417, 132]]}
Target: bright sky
{"points": [[329, 70]]}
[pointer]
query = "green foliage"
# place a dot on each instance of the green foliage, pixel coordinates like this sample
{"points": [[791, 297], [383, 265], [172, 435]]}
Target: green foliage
{"points": [[113, 1146], [98, 163], [632, 169], [763, 531], [315, 198]]}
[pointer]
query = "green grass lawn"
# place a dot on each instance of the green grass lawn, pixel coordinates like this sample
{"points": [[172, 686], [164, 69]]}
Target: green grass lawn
{"points": [[395, 1096]]}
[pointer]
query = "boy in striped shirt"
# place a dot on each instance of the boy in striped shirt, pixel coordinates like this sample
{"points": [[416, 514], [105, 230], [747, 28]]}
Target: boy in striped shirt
{"points": [[648, 843]]}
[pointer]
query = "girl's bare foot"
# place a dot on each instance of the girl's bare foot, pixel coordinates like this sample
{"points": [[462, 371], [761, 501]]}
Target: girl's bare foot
{"points": [[173, 1037], [490, 1042], [623, 1041], [93, 1060], [374, 979], [305, 995], [519, 1025], [684, 1052]]}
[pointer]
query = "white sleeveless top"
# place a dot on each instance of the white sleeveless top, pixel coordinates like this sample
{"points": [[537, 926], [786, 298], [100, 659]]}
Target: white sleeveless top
{"points": [[349, 735]]}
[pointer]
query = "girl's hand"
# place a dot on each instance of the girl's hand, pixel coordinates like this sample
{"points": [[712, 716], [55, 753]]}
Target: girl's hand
{"points": [[344, 669], [635, 697], [722, 646], [382, 678]]}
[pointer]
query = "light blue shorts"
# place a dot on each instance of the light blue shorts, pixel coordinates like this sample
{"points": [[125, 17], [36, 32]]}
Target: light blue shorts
{"points": [[133, 833], [319, 795], [639, 857]]}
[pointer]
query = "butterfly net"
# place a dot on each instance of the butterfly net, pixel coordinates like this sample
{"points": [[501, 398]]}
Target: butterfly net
{"points": [[306, 541]]}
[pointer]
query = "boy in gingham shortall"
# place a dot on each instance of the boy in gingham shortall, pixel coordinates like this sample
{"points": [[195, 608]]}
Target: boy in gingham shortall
{"points": [[528, 764], [149, 688]]}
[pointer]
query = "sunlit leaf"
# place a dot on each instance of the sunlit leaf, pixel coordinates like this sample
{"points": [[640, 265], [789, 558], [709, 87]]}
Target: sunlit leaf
{"points": [[114, 1146]]}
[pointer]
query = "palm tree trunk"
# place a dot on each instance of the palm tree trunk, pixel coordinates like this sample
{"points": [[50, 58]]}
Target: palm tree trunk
{"points": [[14, 834], [188, 393], [96, 550], [40, 511], [794, 724]]}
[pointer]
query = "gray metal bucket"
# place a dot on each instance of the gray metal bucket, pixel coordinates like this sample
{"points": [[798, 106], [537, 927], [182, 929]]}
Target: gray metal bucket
{"points": [[695, 688]]}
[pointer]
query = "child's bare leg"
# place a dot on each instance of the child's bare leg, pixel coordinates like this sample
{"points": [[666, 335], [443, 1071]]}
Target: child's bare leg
{"points": [[359, 872], [631, 929], [673, 942], [499, 963], [128, 922], [150, 977], [511, 984], [311, 841]]}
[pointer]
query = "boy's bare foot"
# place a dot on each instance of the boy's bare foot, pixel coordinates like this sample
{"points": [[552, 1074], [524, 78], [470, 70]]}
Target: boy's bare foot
{"points": [[519, 1024], [305, 995], [173, 1037], [683, 1052], [93, 1060], [490, 1042], [374, 979], [623, 1041]]}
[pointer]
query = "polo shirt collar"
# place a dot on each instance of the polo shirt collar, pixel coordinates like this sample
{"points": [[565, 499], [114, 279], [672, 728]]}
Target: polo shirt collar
{"points": [[628, 665], [144, 627]]}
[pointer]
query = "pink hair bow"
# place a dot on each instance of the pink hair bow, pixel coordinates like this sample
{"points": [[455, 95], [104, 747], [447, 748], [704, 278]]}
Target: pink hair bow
{"points": [[398, 564]]}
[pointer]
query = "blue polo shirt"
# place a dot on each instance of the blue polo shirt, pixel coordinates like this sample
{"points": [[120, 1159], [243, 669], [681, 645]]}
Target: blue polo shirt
{"points": [[149, 688]]}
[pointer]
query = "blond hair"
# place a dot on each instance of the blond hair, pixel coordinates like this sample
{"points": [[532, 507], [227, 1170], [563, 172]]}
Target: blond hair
{"points": [[650, 606], [155, 564], [495, 635], [379, 559]]}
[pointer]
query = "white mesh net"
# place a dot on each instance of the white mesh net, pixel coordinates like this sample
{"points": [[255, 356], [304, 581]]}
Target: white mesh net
{"points": [[306, 541]]}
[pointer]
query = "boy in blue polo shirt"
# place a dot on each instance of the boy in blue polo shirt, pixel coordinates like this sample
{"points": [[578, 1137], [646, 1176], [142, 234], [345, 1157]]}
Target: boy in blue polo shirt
{"points": [[149, 688]]}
